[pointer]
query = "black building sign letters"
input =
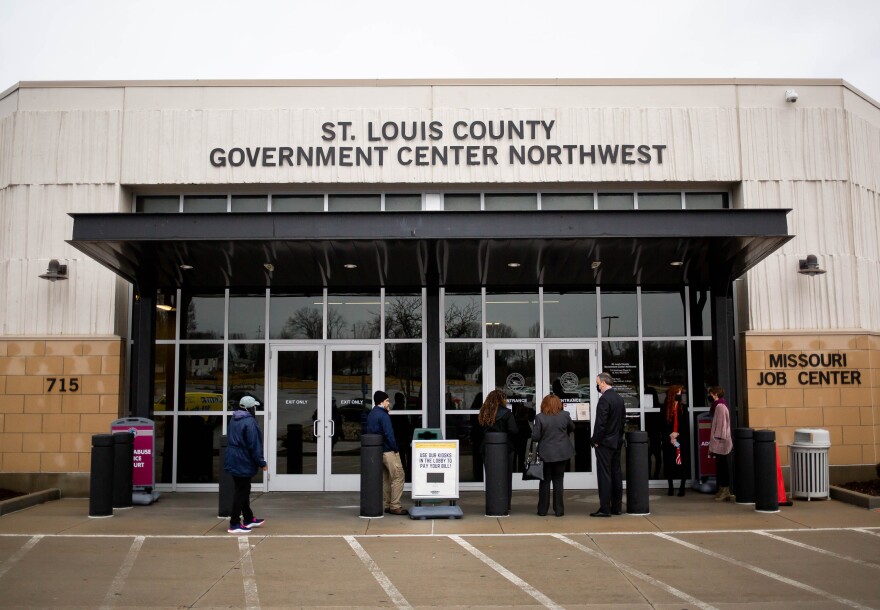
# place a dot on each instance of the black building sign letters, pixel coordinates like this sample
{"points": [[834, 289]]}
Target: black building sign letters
{"points": [[808, 369]]}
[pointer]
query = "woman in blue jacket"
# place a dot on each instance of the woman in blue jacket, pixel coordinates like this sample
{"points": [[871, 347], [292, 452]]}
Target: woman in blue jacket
{"points": [[244, 456]]}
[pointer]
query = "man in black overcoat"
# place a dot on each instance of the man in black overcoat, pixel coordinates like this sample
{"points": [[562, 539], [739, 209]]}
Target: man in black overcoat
{"points": [[608, 441]]}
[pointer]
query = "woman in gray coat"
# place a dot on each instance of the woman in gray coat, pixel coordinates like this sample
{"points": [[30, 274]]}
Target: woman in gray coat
{"points": [[552, 427]]}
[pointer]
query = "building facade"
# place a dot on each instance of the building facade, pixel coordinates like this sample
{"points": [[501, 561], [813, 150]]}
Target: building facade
{"points": [[307, 242]]}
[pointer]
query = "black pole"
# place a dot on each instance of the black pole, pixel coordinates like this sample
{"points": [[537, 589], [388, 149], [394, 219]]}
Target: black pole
{"points": [[371, 475], [101, 477], [294, 445], [497, 475], [766, 493], [123, 469], [226, 484], [744, 465], [637, 473]]}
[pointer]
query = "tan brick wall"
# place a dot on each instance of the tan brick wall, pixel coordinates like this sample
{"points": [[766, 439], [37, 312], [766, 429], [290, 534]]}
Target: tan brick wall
{"points": [[783, 395], [45, 430]]}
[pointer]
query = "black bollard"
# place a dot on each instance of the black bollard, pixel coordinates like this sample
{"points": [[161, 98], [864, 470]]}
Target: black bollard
{"points": [[101, 478], [226, 484], [497, 475], [744, 465], [294, 445], [766, 493], [123, 469], [371, 475], [637, 473]]}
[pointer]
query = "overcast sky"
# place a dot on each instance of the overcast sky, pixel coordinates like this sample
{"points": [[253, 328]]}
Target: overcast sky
{"points": [[219, 39]]}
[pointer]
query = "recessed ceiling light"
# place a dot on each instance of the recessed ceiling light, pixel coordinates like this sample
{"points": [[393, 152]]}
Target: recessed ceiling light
{"points": [[676, 263], [186, 267], [269, 266], [513, 265], [350, 266], [165, 307], [595, 264]]}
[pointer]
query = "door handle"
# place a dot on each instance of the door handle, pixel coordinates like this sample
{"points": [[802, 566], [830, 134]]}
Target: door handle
{"points": [[315, 427], [332, 428]]}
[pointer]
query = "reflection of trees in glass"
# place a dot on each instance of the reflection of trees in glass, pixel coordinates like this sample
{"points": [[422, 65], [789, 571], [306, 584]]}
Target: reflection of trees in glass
{"points": [[403, 317], [403, 369], [339, 327], [305, 323], [500, 330], [463, 321], [192, 325]]}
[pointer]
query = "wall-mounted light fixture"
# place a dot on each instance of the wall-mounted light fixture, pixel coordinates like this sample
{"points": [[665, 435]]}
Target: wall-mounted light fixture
{"points": [[810, 266], [55, 271]]}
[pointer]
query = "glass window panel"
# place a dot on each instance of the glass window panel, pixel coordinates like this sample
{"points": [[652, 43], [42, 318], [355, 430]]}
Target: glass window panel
{"points": [[570, 380], [353, 316], [403, 316], [297, 203], [354, 203], [659, 201], [243, 203], [166, 314], [662, 314], [351, 373], [701, 312], [461, 203], [163, 447], [511, 202], [616, 201], [296, 410], [198, 444], [204, 204], [403, 375], [204, 316], [704, 369], [466, 429], [203, 377], [512, 315], [157, 205], [566, 201], [619, 313], [246, 373], [163, 379], [666, 365], [569, 314], [705, 201], [247, 316], [403, 203], [296, 316], [515, 375], [464, 376], [620, 359], [463, 316]]}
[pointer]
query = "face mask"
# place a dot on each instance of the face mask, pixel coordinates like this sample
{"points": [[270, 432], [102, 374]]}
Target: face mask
{"points": [[598, 389], [678, 397]]}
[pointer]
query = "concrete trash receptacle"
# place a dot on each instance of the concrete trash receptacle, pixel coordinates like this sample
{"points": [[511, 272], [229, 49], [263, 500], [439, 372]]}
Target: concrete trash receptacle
{"points": [[809, 463]]}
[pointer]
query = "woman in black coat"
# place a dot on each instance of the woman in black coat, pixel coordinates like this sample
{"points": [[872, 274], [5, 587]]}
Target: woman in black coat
{"points": [[496, 417], [552, 427]]}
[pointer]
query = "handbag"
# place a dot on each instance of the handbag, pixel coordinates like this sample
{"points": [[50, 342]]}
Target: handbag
{"points": [[534, 467]]}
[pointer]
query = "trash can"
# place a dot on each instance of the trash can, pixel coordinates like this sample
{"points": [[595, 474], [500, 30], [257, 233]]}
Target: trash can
{"points": [[809, 463]]}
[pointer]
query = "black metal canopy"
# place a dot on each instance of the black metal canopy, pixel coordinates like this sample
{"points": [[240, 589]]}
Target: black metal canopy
{"points": [[405, 249]]}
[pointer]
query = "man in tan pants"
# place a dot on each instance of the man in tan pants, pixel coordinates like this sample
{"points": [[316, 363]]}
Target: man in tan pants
{"points": [[379, 422]]}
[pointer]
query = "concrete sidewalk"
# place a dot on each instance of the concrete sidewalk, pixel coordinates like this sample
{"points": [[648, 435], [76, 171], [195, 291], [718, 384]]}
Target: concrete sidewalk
{"points": [[315, 551]]}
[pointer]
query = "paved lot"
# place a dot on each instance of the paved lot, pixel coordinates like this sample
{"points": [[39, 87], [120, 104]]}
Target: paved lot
{"points": [[315, 551]]}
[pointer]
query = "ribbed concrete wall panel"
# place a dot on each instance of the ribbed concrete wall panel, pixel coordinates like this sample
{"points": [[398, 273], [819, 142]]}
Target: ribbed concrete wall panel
{"points": [[72, 147], [173, 146], [864, 142], [866, 228], [7, 131], [792, 144]]}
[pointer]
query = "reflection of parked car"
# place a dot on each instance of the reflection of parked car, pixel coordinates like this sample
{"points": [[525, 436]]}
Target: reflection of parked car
{"points": [[196, 401]]}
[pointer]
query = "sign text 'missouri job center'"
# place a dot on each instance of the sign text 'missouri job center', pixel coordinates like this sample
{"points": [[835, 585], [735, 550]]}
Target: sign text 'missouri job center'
{"points": [[512, 142]]}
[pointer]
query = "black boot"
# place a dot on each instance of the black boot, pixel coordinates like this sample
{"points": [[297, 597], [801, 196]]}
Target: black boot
{"points": [[671, 490], [681, 489]]}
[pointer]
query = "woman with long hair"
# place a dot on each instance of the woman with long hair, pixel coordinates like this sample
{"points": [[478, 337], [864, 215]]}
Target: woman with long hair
{"points": [[496, 417], [675, 444], [720, 441], [552, 427]]}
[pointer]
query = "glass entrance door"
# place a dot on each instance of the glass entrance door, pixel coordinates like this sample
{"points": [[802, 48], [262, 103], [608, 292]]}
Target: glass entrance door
{"points": [[318, 395], [528, 372]]}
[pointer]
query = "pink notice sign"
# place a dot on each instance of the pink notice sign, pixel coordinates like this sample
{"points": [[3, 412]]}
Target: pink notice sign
{"points": [[142, 475]]}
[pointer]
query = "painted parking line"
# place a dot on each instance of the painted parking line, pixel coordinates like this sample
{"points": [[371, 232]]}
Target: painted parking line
{"points": [[251, 595], [636, 573], [865, 530], [122, 574], [19, 554], [519, 582], [763, 572], [384, 582], [816, 549]]}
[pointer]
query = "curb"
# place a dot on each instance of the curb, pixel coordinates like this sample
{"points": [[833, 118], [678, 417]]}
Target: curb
{"points": [[854, 497], [31, 499]]}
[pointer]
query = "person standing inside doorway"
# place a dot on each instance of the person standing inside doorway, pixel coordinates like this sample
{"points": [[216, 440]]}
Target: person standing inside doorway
{"points": [[379, 422], [720, 442], [244, 457], [676, 446], [608, 441]]}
